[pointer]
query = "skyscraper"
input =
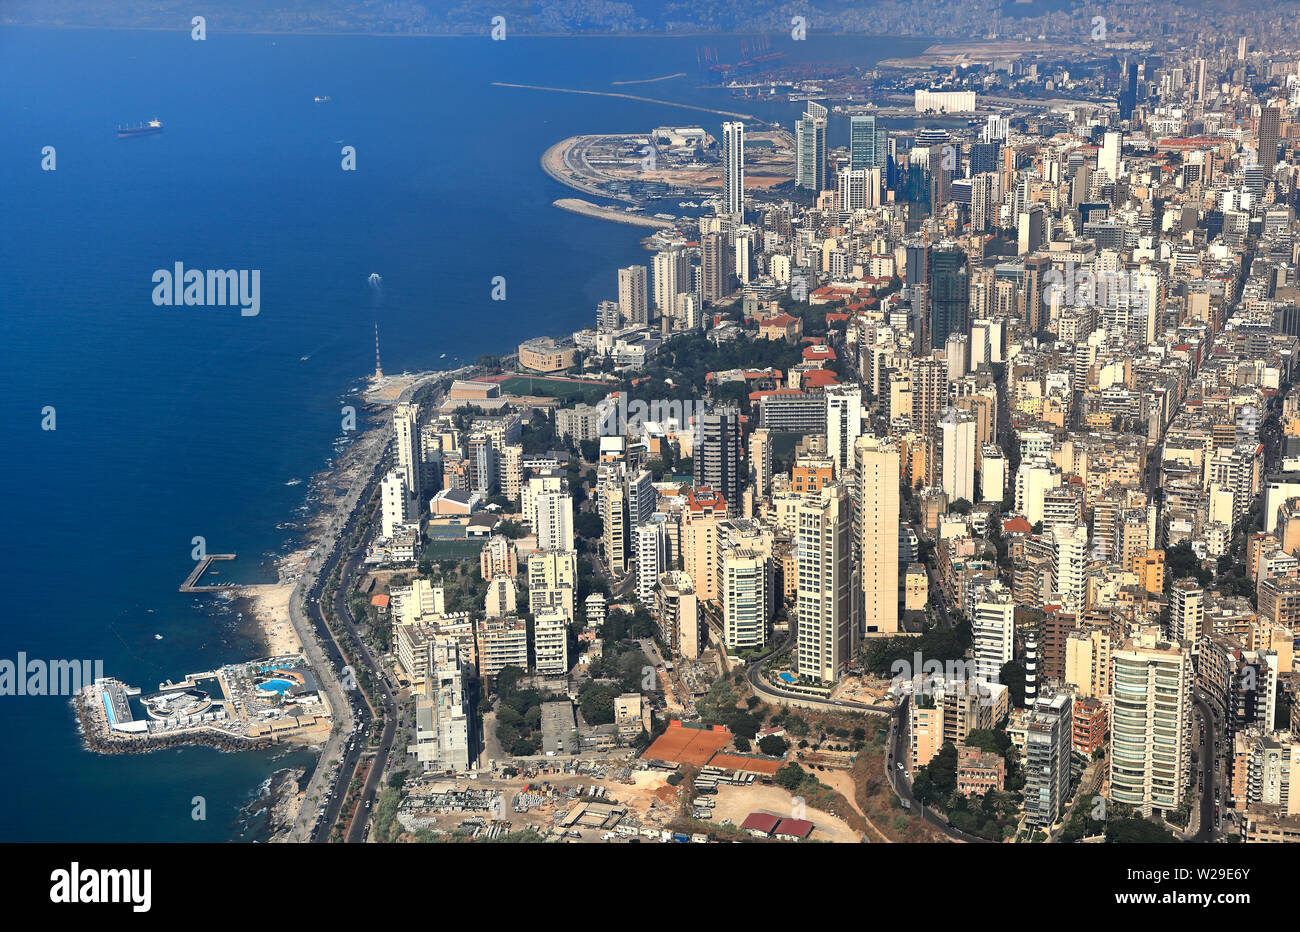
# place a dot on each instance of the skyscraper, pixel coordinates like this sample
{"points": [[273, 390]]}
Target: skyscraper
{"points": [[948, 294], [843, 423], [1269, 135], [1151, 723], [554, 521], [877, 462], [827, 594], [632, 298], [760, 462], [671, 274], [1108, 156], [733, 168], [717, 455], [810, 148], [993, 631], [1048, 732], [957, 430], [717, 273], [868, 143], [406, 423]]}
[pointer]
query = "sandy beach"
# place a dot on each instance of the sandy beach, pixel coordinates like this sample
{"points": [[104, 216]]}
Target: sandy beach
{"points": [[269, 604]]}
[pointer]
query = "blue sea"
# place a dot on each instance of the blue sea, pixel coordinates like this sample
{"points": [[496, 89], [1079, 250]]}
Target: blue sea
{"points": [[177, 422]]}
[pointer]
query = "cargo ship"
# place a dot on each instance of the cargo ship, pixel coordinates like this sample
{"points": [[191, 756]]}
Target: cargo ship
{"points": [[142, 129]]}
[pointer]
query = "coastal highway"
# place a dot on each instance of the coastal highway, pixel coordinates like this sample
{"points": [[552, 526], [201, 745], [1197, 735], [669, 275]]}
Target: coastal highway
{"points": [[343, 611], [360, 513], [352, 714], [359, 710]]}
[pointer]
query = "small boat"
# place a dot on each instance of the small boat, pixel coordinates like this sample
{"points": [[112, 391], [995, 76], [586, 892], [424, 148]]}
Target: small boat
{"points": [[304, 358], [293, 482], [322, 100], [157, 637], [443, 356]]}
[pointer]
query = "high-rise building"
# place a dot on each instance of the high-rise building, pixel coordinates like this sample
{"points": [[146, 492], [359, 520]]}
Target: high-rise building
{"points": [[611, 499], [633, 301], [717, 455], [760, 462], [1070, 560], [1048, 732], [395, 503], [957, 437], [985, 199], [827, 593], [677, 610], [868, 143], [716, 269], [744, 585], [651, 543], [810, 148], [929, 393], [554, 525], [878, 463], [1186, 611], [1151, 723], [443, 711], [406, 424], [733, 168], [843, 423], [1128, 94], [1269, 137], [704, 509], [1087, 662], [481, 458], [1108, 156], [551, 643], [993, 631], [552, 581], [948, 294], [672, 277]]}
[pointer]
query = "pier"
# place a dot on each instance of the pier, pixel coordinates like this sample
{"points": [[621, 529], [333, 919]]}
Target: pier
{"points": [[191, 581]]}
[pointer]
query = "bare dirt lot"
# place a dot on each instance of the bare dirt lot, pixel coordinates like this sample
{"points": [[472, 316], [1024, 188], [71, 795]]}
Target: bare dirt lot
{"points": [[737, 802]]}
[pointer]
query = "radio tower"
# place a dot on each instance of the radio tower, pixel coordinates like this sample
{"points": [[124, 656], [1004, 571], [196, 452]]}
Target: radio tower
{"points": [[379, 370]]}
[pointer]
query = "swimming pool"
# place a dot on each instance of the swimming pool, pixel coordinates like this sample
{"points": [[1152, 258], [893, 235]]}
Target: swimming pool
{"points": [[275, 686], [785, 677]]}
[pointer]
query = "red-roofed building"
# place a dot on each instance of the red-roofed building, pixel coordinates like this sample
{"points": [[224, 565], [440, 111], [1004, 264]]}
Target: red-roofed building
{"points": [[781, 327], [704, 500], [1017, 525], [760, 824], [794, 829], [819, 352], [819, 378], [380, 602]]}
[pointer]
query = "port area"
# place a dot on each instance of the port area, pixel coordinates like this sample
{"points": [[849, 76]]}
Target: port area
{"points": [[191, 583], [253, 704]]}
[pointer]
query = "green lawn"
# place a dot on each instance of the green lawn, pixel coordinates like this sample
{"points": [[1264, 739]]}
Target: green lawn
{"points": [[552, 388], [457, 549]]}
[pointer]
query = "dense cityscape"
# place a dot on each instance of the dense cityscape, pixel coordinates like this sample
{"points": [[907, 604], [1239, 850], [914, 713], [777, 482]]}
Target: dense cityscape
{"points": [[951, 488], [933, 478]]}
